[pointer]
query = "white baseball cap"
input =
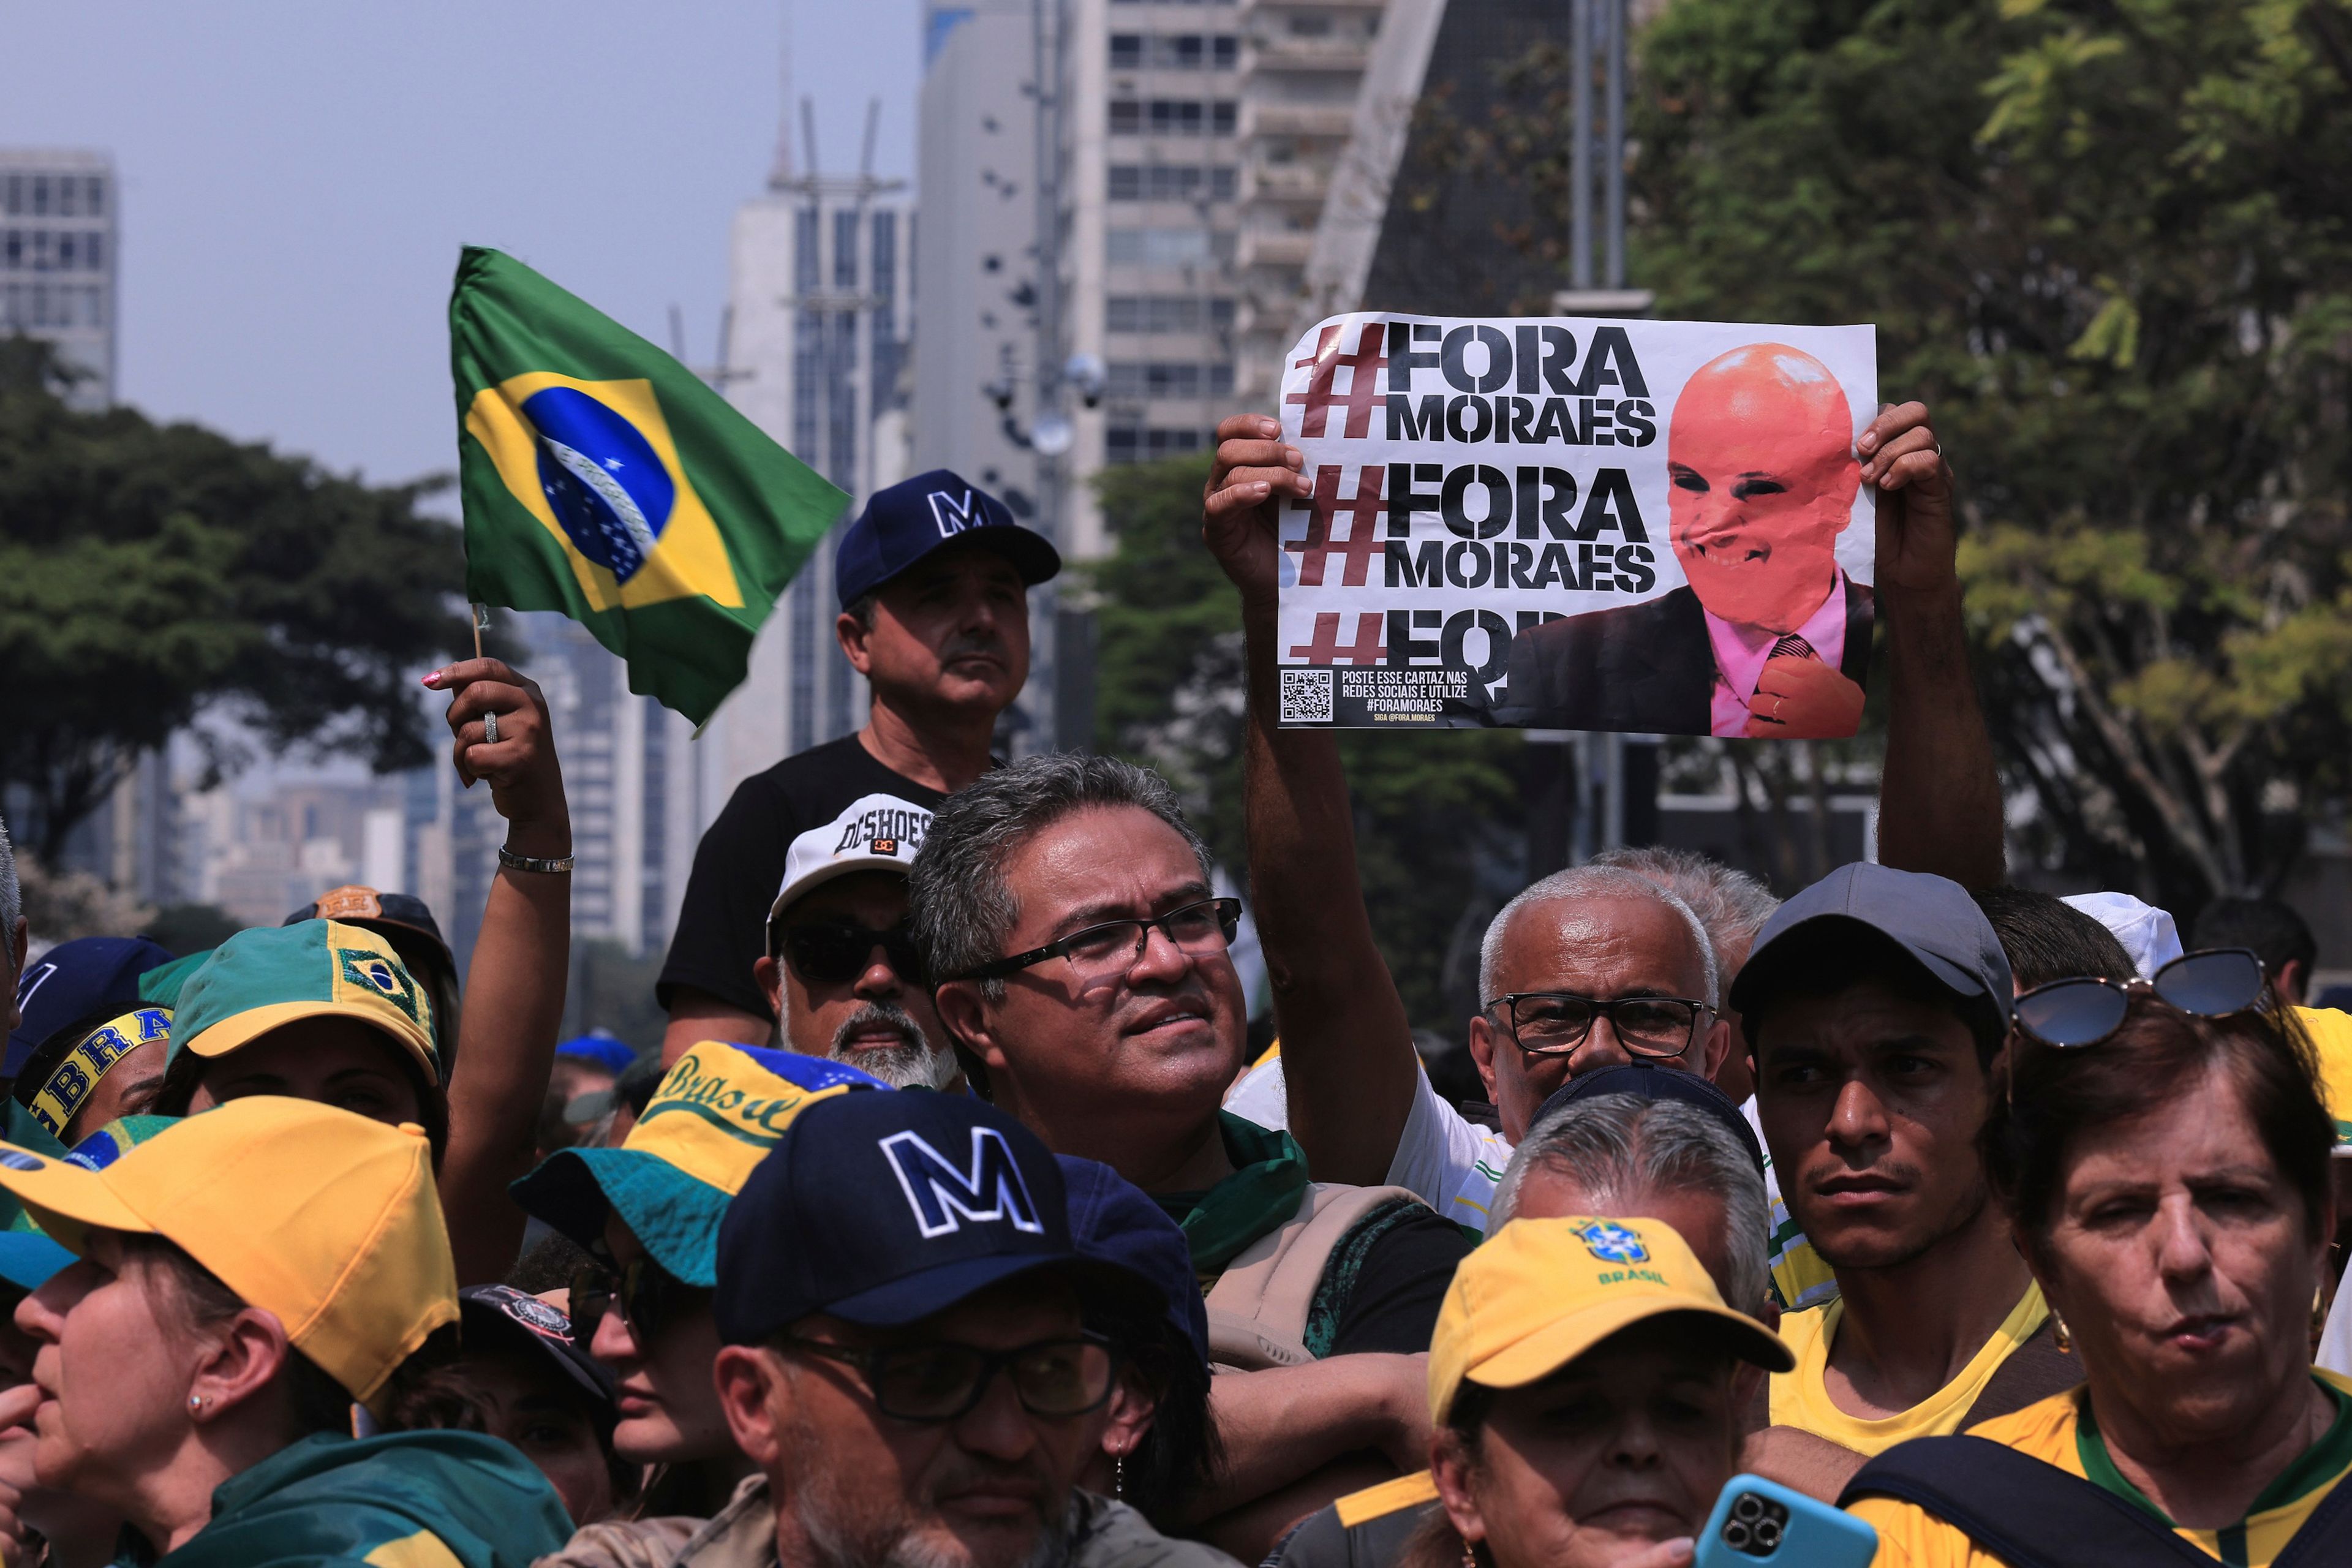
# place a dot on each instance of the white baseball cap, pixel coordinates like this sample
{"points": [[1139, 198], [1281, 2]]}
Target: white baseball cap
{"points": [[877, 832]]}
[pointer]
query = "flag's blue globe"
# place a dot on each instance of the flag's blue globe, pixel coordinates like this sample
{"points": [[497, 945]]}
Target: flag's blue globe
{"points": [[603, 479]]}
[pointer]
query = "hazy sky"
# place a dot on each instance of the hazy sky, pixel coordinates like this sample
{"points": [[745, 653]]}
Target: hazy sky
{"points": [[296, 178]]}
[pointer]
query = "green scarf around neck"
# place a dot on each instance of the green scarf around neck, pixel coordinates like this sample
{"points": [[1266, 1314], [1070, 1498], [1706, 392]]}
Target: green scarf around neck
{"points": [[1268, 1183]]}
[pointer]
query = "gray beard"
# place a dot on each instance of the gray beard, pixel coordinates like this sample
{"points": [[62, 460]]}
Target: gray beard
{"points": [[914, 1065]]}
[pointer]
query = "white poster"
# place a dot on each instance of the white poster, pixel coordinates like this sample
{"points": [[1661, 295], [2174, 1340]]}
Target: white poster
{"points": [[1580, 524]]}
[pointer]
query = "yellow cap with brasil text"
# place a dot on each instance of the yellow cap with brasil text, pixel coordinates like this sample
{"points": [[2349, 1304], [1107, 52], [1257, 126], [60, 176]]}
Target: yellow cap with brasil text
{"points": [[1538, 1293], [715, 1117], [326, 1219], [263, 978]]}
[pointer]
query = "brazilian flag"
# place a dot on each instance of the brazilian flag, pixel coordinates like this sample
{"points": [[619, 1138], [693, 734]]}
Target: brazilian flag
{"points": [[603, 478]]}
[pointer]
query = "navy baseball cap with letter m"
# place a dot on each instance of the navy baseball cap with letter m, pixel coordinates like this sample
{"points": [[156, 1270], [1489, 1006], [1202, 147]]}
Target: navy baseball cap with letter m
{"points": [[883, 1209], [908, 521]]}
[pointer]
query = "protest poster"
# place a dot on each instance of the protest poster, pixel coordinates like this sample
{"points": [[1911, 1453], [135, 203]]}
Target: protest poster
{"points": [[1656, 527]]}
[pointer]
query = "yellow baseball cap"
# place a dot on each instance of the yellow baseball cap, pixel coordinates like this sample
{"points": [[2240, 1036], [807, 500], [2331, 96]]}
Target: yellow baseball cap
{"points": [[1538, 1293], [327, 1219], [271, 976]]}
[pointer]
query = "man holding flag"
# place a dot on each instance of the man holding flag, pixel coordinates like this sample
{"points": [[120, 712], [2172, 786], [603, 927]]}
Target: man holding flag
{"points": [[603, 479]]}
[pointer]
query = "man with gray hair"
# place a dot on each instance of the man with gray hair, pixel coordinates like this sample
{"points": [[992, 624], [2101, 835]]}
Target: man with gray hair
{"points": [[1083, 966]]}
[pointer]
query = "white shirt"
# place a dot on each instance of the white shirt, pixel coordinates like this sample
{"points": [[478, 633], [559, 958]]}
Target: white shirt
{"points": [[1740, 653]]}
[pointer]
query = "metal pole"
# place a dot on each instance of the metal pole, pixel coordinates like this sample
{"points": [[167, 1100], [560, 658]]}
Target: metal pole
{"points": [[1045, 66], [1579, 209], [1613, 148]]}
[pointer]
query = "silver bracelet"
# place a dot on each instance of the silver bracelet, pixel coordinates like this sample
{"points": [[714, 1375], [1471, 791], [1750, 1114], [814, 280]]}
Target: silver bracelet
{"points": [[551, 864]]}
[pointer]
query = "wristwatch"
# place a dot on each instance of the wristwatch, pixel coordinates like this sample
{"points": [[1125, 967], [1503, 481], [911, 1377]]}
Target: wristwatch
{"points": [[547, 863]]}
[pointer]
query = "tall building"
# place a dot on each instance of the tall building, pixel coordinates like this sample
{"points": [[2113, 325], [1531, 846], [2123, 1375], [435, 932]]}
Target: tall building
{"points": [[976, 173], [821, 319], [59, 246], [1303, 67], [1150, 116]]}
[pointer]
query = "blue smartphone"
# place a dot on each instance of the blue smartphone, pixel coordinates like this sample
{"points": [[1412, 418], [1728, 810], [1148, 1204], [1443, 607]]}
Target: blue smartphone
{"points": [[1761, 1522]]}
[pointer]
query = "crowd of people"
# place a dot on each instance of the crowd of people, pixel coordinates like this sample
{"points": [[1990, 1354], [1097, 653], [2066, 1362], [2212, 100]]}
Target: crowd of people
{"points": [[956, 1222]]}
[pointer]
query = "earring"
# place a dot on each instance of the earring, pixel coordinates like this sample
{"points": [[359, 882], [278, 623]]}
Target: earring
{"points": [[1118, 1474], [196, 1402], [1469, 1556], [2058, 1335]]}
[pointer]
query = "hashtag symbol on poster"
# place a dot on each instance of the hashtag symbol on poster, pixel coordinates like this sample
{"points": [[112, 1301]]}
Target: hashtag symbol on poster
{"points": [[1326, 648], [1363, 367], [1362, 511]]}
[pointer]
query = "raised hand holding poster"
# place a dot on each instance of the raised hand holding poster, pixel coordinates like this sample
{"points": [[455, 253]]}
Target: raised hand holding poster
{"points": [[1648, 526]]}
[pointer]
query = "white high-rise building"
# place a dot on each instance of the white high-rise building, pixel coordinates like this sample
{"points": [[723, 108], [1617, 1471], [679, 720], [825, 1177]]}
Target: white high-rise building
{"points": [[59, 250], [821, 315]]}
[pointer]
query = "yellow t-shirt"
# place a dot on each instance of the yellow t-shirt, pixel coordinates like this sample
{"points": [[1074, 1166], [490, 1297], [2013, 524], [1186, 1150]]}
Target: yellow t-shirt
{"points": [[2331, 1042], [1801, 1399], [2057, 1432]]}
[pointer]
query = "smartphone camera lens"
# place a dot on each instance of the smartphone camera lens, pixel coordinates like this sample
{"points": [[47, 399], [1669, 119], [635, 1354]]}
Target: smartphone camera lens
{"points": [[1756, 1525]]}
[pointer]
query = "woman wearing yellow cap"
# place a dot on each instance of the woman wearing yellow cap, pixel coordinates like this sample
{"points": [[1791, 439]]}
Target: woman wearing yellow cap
{"points": [[1587, 1384], [243, 1277], [2164, 1156]]}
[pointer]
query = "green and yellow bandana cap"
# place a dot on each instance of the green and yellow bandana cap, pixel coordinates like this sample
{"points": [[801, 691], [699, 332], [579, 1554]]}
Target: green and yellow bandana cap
{"points": [[262, 979], [715, 1117], [68, 1084]]}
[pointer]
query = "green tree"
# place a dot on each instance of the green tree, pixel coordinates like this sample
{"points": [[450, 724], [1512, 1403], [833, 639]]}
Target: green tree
{"points": [[2107, 241], [1432, 811], [148, 571]]}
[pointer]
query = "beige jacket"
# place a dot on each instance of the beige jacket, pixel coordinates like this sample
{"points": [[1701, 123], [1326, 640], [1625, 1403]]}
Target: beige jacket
{"points": [[1103, 1535]]}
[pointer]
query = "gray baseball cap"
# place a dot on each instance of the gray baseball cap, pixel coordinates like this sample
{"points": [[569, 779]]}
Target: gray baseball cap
{"points": [[1854, 919]]}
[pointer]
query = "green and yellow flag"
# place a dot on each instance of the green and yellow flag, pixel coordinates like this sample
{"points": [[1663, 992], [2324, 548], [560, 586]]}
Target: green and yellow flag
{"points": [[603, 478]]}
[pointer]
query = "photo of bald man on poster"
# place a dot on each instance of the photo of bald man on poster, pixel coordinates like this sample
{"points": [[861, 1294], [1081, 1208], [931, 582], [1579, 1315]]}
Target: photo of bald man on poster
{"points": [[1770, 637]]}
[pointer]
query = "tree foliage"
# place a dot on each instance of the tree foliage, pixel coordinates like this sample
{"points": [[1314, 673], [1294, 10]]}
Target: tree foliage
{"points": [[2105, 240], [147, 571], [1433, 812]]}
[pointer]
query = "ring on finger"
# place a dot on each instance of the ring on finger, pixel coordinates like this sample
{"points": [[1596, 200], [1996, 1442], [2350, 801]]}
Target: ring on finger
{"points": [[489, 728]]}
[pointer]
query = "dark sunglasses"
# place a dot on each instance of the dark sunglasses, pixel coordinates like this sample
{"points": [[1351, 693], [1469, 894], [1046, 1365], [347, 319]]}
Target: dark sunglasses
{"points": [[648, 1296], [938, 1382], [2083, 1011], [834, 954]]}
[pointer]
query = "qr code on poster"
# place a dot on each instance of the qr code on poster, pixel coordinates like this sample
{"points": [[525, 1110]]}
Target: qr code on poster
{"points": [[1307, 697]]}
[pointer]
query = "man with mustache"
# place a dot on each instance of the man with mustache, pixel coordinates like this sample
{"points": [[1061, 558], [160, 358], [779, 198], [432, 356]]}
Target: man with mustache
{"points": [[906, 1358], [1082, 965], [1875, 1004], [841, 972], [1769, 636], [934, 579]]}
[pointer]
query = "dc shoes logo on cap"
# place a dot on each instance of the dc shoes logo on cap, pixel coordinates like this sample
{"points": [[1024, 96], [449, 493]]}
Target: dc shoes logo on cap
{"points": [[953, 512], [1613, 1243], [375, 972], [943, 1197], [883, 831]]}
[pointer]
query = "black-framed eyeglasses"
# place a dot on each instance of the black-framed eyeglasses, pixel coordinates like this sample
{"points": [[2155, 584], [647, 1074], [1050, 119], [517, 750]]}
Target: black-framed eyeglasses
{"points": [[1115, 947], [833, 953], [1558, 1023], [936, 1383], [649, 1297], [2084, 1010]]}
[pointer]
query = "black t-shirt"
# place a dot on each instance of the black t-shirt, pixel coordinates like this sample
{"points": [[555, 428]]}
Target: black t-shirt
{"points": [[722, 925], [1385, 1282]]}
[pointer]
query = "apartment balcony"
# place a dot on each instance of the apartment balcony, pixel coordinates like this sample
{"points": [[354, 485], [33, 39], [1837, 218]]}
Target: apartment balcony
{"points": [[1302, 185], [1288, 52], [1262, 118], [1275, 247]]}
